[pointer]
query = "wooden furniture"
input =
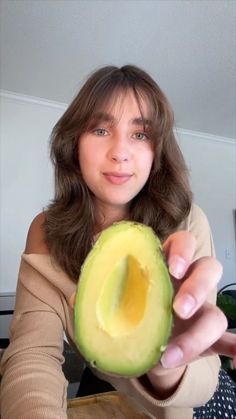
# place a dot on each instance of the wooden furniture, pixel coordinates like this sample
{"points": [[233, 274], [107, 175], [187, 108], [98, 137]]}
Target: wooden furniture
{"points": [[105, 406]]}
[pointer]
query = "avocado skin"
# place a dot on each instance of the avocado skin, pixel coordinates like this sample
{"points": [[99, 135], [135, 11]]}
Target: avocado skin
{"points": [[131, 355]]}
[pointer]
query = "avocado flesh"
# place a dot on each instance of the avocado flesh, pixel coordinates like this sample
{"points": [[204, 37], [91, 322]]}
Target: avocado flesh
{"points": [[123, 307]]}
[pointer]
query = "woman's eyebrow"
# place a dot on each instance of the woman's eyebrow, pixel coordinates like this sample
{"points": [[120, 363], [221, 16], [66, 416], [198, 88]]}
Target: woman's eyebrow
{"points": [[107, 117], [103, 117], [144, 122]]}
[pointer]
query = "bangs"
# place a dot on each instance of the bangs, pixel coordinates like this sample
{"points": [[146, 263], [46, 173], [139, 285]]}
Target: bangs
{"points": [[104, 102], [112, 96]]}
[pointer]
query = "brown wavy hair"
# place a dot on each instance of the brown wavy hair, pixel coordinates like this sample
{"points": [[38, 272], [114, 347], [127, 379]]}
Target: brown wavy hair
{"points": [[164, 201]]}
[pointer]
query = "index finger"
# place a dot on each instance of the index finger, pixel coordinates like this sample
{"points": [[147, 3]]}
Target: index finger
{"points": [[179, 249]]}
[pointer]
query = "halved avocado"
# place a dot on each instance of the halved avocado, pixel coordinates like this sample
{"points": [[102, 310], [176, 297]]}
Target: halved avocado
{"points": [[123, 306]]}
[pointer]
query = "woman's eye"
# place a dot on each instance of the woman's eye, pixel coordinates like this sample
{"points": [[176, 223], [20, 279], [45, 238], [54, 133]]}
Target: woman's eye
{"points": [[141, 136], [101, 132]]}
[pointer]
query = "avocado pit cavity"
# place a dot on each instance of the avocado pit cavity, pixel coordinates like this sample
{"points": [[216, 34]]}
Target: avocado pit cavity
{"points": [[122, 302]]}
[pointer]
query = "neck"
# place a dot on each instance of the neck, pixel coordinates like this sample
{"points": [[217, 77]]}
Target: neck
{"points": [[107, 215]]}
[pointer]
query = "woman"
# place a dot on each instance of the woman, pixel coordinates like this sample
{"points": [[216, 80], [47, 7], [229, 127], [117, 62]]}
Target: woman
{"points": [[115, 159]]}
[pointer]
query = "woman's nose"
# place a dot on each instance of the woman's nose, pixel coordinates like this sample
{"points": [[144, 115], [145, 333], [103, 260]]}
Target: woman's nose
{"points": [[120, 151]]}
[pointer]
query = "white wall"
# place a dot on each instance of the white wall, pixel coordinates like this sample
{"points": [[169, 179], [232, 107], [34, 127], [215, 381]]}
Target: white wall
{"points": [[27, 180], [26, 175], [212, 164]]}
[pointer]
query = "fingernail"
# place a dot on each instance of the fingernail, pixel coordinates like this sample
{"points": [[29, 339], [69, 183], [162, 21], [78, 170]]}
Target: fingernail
{"points": [[184, 305], [172, 357], [177, 267]]}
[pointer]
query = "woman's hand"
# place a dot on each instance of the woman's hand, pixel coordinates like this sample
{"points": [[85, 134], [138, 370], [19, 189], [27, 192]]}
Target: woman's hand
{"points": [[199, 327]]}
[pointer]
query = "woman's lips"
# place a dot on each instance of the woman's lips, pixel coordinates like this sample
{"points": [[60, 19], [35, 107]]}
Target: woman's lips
{"points": [[117, 178]]}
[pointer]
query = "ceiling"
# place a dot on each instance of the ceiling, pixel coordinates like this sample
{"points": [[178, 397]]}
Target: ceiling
{"points": [[189, 46]]}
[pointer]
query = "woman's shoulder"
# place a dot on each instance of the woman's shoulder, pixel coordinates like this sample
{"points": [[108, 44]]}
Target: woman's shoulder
{"points": [[197, 223], [195, 218], [35, 242]]}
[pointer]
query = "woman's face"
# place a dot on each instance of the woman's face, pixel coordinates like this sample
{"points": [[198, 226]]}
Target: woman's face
{"points": [[116, 155]]}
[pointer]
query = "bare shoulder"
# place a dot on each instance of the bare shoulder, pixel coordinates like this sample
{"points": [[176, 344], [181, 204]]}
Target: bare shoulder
{"points": [[35, 242]]}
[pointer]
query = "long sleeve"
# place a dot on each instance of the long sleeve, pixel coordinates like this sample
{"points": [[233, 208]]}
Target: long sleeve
{"points": [[33, 385]]}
